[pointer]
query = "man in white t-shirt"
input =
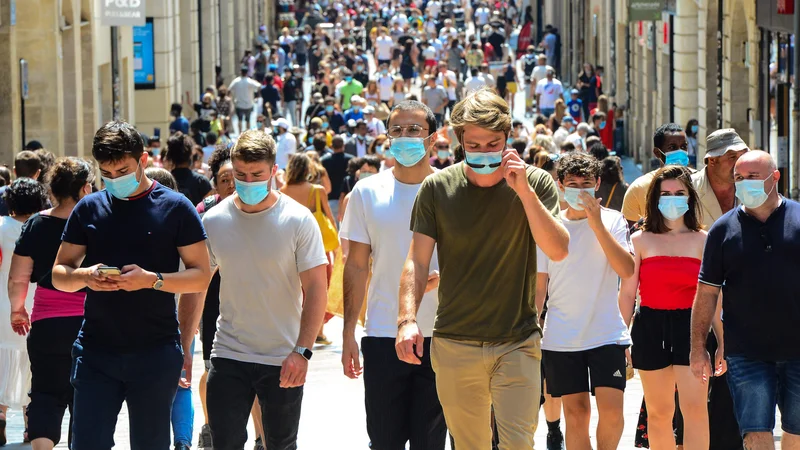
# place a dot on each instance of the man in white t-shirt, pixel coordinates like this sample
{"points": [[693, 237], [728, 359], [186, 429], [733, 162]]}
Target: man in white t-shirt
{"points": [[385, 82], [548, 91], [447, 79], [243, 90], [286, 142], [482, 15], [375, 127], [401, 399], [538, 73], [383, 48], [585, 337], [474, 82], [434, 8], [269, 252]]}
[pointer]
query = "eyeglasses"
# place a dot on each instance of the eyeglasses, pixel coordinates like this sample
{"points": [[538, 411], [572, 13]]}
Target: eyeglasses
{"points": [[410, 131]]}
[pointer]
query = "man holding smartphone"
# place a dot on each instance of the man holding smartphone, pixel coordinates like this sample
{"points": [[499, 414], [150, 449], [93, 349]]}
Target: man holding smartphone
{"points": [[484, 218], [125, 245], [401, 400]]}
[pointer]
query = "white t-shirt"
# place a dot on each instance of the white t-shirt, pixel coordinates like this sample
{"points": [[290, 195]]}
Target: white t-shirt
{"points": [[539, 73], [243, 90], [375, 127], [449, 82], [429, 53], [434, 8], [482, 15], [474, 83], [260, 258], [400, 19], [385, 87], [286, 145], [384, 46], [582, 310], [207, 151], [378, 214], [550, 92]]}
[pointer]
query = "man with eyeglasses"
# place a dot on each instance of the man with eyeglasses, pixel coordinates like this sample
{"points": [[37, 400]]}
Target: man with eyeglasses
{"points": [[486, 346], [401, 401], [443, 158], [752, 255]]}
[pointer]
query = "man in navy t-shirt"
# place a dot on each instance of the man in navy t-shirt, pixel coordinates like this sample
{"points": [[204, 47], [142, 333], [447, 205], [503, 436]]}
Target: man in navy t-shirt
{"points": [[752, 255], [129, 348]]}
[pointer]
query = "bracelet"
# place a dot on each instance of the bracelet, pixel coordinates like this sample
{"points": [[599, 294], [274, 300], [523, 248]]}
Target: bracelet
{"points": [[405, 322]]}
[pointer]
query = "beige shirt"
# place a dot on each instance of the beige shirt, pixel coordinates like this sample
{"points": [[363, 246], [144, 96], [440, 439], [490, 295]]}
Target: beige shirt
{"points": [[634, 205], [710, 210]]}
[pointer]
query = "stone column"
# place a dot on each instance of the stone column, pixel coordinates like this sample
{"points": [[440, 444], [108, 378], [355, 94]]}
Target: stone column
{"points": [[209, 35], [229, 57], [9, 89]]}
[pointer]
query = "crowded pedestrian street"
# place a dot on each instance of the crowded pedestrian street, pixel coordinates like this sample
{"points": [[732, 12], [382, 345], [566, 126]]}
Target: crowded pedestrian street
{"points": [[399, 224]]}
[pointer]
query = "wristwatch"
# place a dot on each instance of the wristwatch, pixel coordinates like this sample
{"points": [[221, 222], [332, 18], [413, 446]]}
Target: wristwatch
{"points": [[159, 282], [304, 352]]}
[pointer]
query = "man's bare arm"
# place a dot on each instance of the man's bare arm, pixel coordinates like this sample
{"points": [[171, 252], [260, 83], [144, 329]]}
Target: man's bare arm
{"points": [[415, 276], [356, 273]]}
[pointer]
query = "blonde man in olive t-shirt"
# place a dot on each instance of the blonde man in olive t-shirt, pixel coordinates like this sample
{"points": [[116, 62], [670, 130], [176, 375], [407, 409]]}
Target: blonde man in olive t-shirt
{"points": [[485, 216]]}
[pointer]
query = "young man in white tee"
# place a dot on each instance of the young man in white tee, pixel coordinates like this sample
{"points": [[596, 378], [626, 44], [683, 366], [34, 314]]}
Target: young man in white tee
{"points": [[585, 338], [385, 82], [270, 255], [401, 400], [383, 48]]}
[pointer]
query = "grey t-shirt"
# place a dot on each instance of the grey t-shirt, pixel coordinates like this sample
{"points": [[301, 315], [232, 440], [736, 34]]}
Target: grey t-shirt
{"points": [[435, 98], [260, 257]]}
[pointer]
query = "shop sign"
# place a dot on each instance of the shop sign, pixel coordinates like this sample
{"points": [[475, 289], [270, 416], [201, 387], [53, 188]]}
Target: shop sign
{"points": [[645, 10]]}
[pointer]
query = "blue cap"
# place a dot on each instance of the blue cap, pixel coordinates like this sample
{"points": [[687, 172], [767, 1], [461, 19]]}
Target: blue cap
{"points": [[569, 119]]}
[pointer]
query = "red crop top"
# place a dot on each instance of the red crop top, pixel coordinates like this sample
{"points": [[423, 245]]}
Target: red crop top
{"points": [[668, 282]]}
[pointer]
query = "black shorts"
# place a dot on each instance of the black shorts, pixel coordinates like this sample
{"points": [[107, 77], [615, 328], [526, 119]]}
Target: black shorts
{"points": [[570, 372], [661, 338]]}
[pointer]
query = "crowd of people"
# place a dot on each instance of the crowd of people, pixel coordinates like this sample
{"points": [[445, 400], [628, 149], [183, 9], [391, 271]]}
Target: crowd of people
{"points": [[498, 269]]}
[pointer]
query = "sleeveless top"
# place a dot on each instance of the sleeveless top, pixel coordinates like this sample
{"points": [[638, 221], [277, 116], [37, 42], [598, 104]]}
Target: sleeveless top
{"points": [[668, 282]]}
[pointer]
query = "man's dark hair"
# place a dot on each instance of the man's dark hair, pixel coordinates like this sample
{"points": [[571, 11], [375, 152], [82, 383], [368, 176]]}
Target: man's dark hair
{"points": [[179, 149], [353, 165], [591, 140], [33, 145], [599, 115], [598, 150], [25, 196], [661, 133], [218, 158], [27, 163], [254, 146], [67, 177], [519, 145], [579, 165], [176, 109], [162, 176], [116, 141], [48, 159], [473, 72], [654, 220], [211, 138], [540, 119], [319, 144], [338, 142], [5, 176], [153, 140], [567, 147], [268, 80], [372, 161], [414, 105]]}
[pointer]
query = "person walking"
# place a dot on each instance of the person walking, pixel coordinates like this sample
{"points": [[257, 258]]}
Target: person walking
{"points": [[586, 341], [56, 316], [668, 250], [266, 328], [548, 90], [468, 329], [401, 401], [749, 256], [129, 346], [24, 198], [193, 185], [243, 89]]}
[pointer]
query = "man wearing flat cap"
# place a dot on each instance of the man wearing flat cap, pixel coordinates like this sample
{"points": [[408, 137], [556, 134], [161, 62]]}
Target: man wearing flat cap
{"points": [[714, 183]]}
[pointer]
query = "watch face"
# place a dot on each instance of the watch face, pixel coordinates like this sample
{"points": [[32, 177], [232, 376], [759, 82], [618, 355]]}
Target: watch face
{"points": [[158, 284]]}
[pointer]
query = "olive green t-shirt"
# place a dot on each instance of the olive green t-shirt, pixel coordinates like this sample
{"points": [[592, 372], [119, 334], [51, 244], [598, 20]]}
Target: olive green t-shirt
{"points": [[487, 255]]}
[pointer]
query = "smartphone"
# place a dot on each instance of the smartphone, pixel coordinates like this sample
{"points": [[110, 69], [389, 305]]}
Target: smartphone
{"points": [[109, 270]]}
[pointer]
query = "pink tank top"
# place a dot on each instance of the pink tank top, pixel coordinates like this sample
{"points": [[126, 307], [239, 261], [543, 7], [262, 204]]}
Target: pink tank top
{"points": [[49, 303]]}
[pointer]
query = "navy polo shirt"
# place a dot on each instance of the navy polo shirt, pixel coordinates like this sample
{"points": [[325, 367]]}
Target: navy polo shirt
{"points": [[756, 264], [146, 230]]}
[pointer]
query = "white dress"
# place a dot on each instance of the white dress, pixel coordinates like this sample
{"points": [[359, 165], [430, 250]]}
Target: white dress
{"points": [[15, 368]]}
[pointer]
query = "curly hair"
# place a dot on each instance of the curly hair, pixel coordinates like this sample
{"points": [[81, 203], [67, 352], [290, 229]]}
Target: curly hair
{"points": [[218, 158], [25, 196], [579, 165], [67, 177]]}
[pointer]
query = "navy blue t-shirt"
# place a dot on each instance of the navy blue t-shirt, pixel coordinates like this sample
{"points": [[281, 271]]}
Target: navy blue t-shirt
{"points": [[146, 230], [756, 264]]}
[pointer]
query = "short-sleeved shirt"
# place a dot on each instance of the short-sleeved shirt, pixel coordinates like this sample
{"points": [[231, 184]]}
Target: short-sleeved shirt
{"points": [[192, 184], [336, 166], [634, 205], [436, 98], [377, 215], [488, 287], [347, 90], [145, 230], [261, 299], [549, 91], [40, 240], [584, 315], [756, 265]]}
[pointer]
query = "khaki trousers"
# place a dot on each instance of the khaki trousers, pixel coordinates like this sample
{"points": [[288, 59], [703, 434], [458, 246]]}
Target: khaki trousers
{"points": [[471, 377]]}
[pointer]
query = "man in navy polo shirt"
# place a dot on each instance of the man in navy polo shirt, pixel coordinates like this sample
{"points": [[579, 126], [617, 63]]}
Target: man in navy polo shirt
{"points": [[752, 254], [129, 348]]}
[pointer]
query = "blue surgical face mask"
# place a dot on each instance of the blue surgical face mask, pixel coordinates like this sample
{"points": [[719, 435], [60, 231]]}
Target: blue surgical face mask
{"points": [[751, 192], [324, 125], [510, 140], [408, 150], [673, 207], [252, 193], [348, 79], [602, 124], [124, 186], [483, 163], [694, 129], [363, 175], [572, 196], [443, 154], [156, 151], [329, 108], [677, 157]]}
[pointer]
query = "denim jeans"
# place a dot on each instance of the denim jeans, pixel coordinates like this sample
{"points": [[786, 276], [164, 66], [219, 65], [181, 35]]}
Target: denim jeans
{"points": [[232, 386], [103, 380], [183, 413], [757, 387]]}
